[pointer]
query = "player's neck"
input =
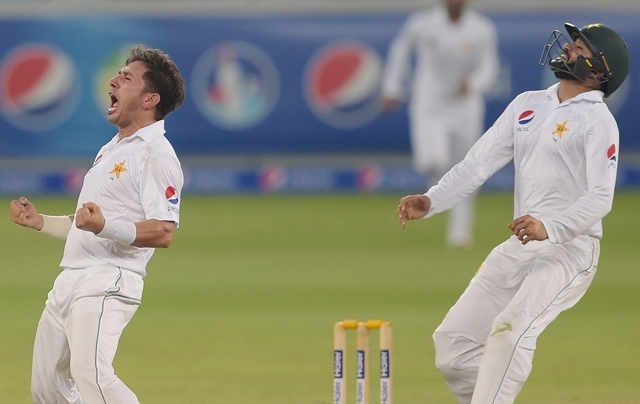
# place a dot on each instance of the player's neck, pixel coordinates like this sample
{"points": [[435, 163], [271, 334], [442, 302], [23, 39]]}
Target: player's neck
{"points": [[569, 89], [133, 127], [454, 17], [455, 14]]}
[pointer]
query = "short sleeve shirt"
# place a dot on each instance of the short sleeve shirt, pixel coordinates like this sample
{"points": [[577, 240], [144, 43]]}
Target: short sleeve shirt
{"points": [[134, 179]]}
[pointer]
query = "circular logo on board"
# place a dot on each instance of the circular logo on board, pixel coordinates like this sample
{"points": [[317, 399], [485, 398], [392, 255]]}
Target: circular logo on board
{"points": [[342, 84], [39, 87], [235, 85]]}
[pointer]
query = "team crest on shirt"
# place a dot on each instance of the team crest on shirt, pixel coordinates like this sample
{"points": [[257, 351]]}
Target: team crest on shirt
{"points": [[118, 169], [612, 155], [561, 129], [524, 119]]}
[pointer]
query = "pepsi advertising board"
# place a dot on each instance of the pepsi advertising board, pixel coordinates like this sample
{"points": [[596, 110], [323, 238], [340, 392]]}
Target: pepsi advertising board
{"points": [[275, 84]]}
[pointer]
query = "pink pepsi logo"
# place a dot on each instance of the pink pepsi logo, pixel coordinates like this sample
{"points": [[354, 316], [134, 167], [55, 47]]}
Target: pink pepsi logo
{"points": [[272, 178], [39, 87], [172, 195], [342, 84], [369, 178], [526, 117], [74, 178]]}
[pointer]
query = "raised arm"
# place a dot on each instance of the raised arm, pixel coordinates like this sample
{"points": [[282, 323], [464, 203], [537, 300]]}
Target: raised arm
{"points": [[24, 213]]}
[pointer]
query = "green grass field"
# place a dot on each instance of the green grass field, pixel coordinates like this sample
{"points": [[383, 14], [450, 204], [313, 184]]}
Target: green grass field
{"points": [[240, 309]]}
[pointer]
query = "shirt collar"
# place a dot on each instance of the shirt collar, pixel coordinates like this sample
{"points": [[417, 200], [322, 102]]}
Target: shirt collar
{"points": [[149, 133], [593, 96]]}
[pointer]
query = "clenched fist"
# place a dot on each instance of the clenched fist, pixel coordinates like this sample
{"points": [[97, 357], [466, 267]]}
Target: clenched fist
{"points": [[90, 218], [25, 214]]}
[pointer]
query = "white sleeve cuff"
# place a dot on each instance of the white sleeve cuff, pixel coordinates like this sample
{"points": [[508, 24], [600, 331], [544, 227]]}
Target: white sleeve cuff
{"points": [[120, 231]]}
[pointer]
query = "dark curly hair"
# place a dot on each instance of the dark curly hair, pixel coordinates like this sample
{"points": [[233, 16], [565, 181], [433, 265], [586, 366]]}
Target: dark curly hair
{"points": [[163, 77]]}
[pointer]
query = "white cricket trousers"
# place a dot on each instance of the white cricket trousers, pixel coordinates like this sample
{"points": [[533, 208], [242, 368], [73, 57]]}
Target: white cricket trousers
{"points": [[77, 337], [485, 344]]}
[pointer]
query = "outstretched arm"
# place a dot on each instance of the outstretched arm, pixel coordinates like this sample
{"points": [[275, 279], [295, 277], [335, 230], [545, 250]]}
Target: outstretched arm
{"points": [[398, 64], [487, 67]]}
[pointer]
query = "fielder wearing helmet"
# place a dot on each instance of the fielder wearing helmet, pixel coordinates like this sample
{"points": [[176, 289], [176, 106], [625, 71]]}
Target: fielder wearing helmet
{"points": [[609, 65], [563, 142]]}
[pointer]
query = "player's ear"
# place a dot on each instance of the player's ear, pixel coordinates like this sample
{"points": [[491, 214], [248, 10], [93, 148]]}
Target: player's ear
{"points": [[150, 100]]}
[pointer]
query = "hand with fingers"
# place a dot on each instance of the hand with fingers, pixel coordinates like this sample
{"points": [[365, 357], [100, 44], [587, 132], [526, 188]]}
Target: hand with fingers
{"points": [[528, 228], [90, 218], [24, 213], [413, 207]]}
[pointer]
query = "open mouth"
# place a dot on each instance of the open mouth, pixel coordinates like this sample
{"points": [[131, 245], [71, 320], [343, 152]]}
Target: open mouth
{"points": [[114, 103]]}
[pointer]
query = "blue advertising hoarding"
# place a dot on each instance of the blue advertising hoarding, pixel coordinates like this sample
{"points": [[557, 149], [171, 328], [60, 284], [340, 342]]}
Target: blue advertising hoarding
{"points": [[275, 84]]}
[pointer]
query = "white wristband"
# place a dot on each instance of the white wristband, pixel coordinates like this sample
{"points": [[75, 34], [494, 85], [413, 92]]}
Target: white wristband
{"points": [[120, 231], [56, 226]]}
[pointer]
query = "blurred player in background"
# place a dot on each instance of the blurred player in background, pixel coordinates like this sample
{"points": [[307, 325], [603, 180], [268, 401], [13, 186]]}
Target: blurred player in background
{"points": [[456, 55], [564, 145], [128, 206]]}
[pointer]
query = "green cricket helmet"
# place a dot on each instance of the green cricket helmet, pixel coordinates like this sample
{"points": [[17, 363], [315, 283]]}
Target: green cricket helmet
{"points": [[610, 54]]}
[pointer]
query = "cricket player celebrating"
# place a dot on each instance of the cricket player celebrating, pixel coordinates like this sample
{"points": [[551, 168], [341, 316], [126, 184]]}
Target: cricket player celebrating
{"points": [[564, 145], [456, 65], [128, 206]]}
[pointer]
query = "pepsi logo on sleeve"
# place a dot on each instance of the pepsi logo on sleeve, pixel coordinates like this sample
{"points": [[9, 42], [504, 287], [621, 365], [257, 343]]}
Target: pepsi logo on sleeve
{"points": [[174, 201], [612, 155], [172, 195]]}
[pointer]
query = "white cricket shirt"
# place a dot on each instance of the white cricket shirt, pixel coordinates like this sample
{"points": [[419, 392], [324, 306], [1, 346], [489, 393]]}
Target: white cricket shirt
{"points": [[445, 53], [135, 179], [565, 157]]}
